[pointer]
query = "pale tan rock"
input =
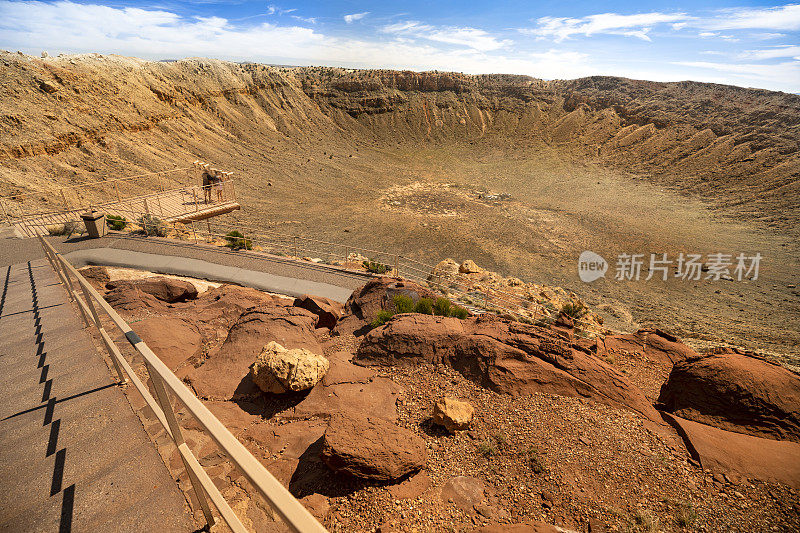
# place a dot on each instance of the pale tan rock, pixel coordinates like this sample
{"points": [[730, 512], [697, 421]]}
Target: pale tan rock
{"points": [[453, 414], [469, 267], [278, 370]]}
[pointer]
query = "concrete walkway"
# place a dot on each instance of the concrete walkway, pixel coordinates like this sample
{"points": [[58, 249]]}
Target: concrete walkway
{"points": [[266, 272], [73, 455]]}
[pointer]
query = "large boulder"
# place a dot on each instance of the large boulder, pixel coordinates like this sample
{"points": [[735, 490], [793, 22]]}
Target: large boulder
{"points": [[737, 393], [168, 290], [452, 414], [469, 267], [653, 344], [132, 300], [727, 452], [364, 304], [225, 374], [505, 356], [371, 448], [326, 309], [173, 340], [278, 370]]}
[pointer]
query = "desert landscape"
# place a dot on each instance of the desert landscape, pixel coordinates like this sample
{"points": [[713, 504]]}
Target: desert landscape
{"points": [[678, 408]]}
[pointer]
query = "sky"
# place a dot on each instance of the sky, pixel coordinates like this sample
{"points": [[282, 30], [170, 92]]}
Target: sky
{"points": [[745, 43]]}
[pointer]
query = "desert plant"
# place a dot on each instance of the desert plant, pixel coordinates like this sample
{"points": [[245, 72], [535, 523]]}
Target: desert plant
{"points": [[686, 515], [442, 307], [424, 306], [487, 449], [643, 522], [535, 461], [152, 226], [382, 318], [459, 312], [237, 241], [116, 222], [403, 303], [574, 309], [376, 268]]}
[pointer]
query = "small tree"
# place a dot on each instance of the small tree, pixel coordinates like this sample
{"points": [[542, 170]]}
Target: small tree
{"points": [[116, 222]]}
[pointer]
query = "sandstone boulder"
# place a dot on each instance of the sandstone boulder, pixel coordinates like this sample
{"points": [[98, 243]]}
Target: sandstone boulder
{"points": [[132, 300], [505, 356], [326, 309], [225, 374], [445, 270], [173, 340], [364, 304], [278, 370], [726, 452], [653, 344], [452, 414], [165, 289], [371, 448], [469, 267], [736, 393], [464, 492]]}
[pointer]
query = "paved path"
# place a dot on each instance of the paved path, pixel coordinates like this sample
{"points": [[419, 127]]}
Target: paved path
{"points": [[282, 273], [73, 455]]}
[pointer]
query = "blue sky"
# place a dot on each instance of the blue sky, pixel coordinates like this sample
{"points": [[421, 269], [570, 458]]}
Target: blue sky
{"points": [[751, 44]]}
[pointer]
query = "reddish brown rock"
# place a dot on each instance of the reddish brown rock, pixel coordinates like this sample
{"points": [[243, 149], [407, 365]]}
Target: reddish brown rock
{"points": [[653, 344], [733, 454], [371, 448], [226, 372], [165, 289], [364, 304], [505, 356], [96, 275], [347, 387], [326, 309], [464, 492], [132, 300], [412, 487], [736, 393], [173, 340]]}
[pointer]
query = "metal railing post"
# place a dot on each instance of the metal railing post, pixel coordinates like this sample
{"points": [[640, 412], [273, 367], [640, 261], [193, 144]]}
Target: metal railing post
{"points": [[177, 438], [295, 248], [397, 265], [194, 231]]}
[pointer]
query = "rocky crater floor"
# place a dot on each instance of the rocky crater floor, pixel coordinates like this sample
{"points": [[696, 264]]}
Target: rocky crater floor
{"points": [[383, 420]]}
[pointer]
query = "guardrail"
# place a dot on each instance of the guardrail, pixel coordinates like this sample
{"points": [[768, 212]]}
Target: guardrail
{"points": [[167, 385]]}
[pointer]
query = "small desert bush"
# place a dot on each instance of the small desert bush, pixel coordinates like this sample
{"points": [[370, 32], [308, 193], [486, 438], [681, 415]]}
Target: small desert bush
{"points": [[67, 228], [442, 307], [574, 310], [403, 303], [424, 306], [116, 222], [237, 241], [535, 461], [376, 268], [685, 516], [487, 449], [152, 226], [382, 318], [56, 229]]}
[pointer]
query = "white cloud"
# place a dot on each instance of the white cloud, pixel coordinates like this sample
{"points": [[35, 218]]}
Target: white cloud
{"points": [[469, 37], [792, 51], [310, 20], [772, 18], [349, 19], [709, 34], [786, 74], [560, 28]]}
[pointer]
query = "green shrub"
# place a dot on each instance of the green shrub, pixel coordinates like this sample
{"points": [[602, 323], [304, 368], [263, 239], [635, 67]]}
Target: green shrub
{"points": [[237, 241], [459, 312], [487, 449], [424, 306], [152, 226], [442, 307], [376, 268], [116, 222], [574, 309], [382, 318], [535, 461], [686, 516], [403, 303]]}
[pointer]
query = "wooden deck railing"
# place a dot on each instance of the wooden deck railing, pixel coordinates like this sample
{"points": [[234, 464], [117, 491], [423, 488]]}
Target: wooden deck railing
{"points": [[167, 385]]}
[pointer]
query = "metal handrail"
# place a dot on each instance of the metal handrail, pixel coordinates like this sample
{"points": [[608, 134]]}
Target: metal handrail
{"points": [[291, 511]]}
